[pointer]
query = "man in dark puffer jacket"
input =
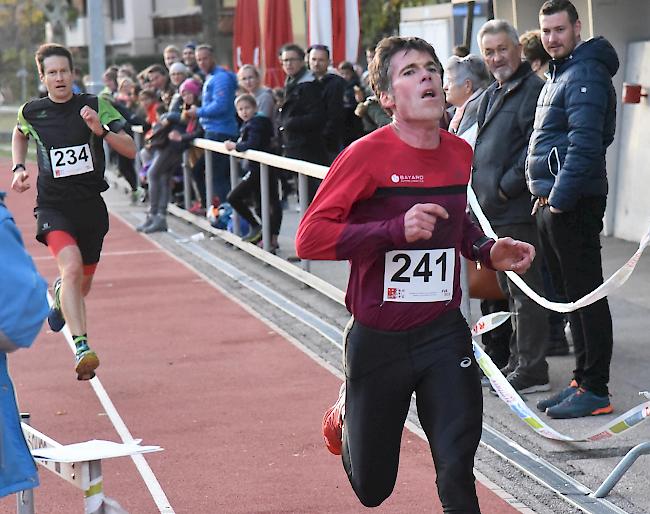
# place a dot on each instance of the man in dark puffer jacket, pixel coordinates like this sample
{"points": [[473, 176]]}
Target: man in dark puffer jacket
{"points": [[566, 173]]}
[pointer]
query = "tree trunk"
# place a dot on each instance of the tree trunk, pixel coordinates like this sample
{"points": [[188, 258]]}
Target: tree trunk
{"points": [[212, 12]]}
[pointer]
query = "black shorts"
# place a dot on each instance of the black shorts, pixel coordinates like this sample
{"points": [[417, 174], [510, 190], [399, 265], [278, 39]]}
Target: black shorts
{"points": [[85, 220]]}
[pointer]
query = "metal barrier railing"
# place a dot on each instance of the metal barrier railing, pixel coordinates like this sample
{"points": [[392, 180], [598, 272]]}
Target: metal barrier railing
{"points": [[84, 475], [266, 160]]}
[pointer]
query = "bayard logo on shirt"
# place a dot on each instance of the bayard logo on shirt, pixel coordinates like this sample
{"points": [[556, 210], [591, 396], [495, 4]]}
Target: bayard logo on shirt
{"points": [[407, 178]]}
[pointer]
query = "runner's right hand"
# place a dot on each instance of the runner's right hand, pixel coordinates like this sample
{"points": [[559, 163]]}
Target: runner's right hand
{"points": [[420, 221], [19, 182]]}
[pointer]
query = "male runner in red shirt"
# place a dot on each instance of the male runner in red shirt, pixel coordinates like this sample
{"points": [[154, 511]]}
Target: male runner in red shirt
{"points": [[394, 204]]}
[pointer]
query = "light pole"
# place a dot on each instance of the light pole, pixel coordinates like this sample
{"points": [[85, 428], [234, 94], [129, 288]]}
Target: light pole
{"points": [[96, 45]]}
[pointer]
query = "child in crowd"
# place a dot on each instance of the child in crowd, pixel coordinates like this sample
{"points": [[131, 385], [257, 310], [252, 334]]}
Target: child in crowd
{"points": [[255, 134]]}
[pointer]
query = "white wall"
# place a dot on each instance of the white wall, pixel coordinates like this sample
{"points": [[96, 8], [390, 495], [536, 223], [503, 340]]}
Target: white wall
{"points": [[432, 23], [632, 208]]}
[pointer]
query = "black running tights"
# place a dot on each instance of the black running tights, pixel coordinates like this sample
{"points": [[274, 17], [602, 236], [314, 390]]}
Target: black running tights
{"points": [[383, 369]]}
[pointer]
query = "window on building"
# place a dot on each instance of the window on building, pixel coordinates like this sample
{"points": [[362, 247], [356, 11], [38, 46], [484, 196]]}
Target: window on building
{"points": [[117, 10]]}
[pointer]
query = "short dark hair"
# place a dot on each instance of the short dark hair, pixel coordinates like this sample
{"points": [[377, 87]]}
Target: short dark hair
{"points": [[157, 68], [379, 68], [346, 65], [149, 93], [460, 51], [110, 74], [532, 48], [555, 6], [292, 47], [48, 50], [324, 48]]}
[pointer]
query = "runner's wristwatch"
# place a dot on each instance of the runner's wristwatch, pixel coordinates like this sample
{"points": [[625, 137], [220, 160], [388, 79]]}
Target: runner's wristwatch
{"points": [[105, 132], [19, 166], [476, 249]]}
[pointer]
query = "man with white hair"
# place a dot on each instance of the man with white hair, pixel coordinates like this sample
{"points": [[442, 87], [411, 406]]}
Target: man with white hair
{"points": [[505, 121], [465, 81]]}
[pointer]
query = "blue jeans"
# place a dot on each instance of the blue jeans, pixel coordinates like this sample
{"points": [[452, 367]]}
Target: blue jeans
{"points": [[571, 245], [220, 167]]}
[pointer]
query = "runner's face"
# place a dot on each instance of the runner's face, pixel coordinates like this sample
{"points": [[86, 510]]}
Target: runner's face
{"points": [[559, 36], [416, 88], [57, 78]]}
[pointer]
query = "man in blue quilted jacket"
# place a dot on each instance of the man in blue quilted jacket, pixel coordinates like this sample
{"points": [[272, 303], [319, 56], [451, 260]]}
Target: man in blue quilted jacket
{"points": [[566, 172]]}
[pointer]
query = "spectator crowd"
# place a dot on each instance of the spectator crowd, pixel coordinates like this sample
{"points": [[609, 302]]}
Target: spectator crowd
{"points": [[538, 169]]}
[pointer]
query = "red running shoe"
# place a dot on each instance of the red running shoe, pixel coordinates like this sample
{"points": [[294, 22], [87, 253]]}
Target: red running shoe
{"points": [[333, 424]]}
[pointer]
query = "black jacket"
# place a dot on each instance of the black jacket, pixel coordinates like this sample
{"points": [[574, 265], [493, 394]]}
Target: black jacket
{"points": [[574, 124], [501, 145], [255, 134], [333, 90], [301, 119]]}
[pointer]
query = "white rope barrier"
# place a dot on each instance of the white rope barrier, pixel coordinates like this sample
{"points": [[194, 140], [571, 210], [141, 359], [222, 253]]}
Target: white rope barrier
{"points": [[510, 397], [611, 284]]}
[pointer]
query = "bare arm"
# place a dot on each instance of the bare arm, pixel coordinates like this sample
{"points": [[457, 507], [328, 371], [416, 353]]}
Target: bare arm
{"points": [[122, 143], [19, 142]]}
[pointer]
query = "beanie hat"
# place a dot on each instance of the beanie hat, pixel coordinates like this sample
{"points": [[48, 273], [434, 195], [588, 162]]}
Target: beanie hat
{"points": [[179, 67], [191, 86]]}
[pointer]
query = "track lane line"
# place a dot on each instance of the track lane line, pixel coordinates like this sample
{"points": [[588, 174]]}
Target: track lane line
{"points": [[141, 464]]}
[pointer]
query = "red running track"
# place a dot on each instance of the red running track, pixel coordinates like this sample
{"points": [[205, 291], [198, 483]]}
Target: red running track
{"points": [[236, 406]]}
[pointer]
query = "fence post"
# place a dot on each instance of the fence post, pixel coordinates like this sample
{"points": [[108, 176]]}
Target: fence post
{"points": [[25, 499], [303, 196], [187, 181], [266, 213], [209, 189], [621, 468], [234, 180], [93, 487]]}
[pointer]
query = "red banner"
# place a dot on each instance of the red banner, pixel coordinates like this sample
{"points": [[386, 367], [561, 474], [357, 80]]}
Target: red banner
{"points": [[277, 19], [246, 44]]}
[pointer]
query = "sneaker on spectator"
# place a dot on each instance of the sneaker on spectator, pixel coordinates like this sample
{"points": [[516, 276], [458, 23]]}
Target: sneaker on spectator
{"points": [[525, 385], [274, 244], [333, 424], [197, 209], [580, 404], [254, 235], [55, 316], [558, 398], [86, 360]]}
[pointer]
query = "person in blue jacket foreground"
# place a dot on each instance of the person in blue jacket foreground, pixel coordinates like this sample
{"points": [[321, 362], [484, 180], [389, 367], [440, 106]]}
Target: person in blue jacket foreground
{"points": [[23, 308]]}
